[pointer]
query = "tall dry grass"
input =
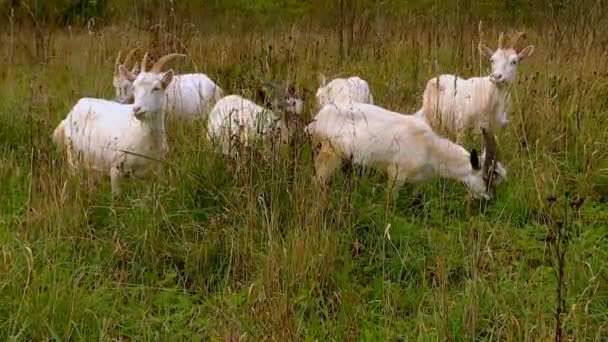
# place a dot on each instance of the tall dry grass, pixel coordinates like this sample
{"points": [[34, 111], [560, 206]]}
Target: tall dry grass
{"points": [[206, 250]]}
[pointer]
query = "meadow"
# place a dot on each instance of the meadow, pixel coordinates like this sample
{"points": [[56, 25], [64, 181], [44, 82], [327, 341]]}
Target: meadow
{"points": [[204, 250]]}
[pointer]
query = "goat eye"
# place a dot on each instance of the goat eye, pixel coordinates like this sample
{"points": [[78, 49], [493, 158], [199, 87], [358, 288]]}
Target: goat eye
{"points": [[513, 62], [156, 89]]}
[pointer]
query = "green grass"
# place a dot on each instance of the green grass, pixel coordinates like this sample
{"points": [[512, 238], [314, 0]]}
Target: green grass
{"points": [[206, 252]]}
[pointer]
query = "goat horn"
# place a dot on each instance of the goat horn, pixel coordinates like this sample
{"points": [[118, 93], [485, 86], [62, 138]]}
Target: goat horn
{"points": [[117, 61], [490, 147], [515, 39], [144, 62], [501, 40], [130, 55], [158, 66]]}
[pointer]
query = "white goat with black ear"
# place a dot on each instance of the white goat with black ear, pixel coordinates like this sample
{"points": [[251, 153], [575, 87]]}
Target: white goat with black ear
{"points": [[237, 120], [403, 146], [114, 138], [353, 89], [459, 104], [188, 96], [123, 86]]}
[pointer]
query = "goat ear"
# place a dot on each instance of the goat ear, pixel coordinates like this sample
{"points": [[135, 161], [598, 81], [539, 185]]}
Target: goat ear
{"points": [[474, 160], [167, 78], [264, 95], [485, 51], [261, 93], [125, 73], [526, 52]]}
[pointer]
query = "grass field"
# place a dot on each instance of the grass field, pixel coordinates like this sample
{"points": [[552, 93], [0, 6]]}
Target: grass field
{"points": [[205, 252]]}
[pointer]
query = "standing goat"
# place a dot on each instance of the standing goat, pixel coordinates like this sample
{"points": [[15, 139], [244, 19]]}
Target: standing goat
{"points": [[353, 89], [188, 96], [402, 146], [235, 119], [115, 138], [459, 104], [123, 86]]}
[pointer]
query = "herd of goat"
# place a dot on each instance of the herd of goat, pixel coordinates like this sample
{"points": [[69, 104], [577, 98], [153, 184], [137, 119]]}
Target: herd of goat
{"points": [[127, 135]]}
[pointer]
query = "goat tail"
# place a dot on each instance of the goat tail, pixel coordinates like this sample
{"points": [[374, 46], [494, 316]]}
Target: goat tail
{"points": [[59, 135]]}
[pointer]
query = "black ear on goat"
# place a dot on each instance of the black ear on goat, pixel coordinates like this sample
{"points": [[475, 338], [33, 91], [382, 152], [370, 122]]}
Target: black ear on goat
{"points": [[491, 148], [291, 90], [474, 160], [261, 94]]}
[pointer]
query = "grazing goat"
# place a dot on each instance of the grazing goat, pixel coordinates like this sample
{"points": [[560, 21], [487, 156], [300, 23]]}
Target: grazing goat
{"points": [[189, 96], [459, 104], [122, 86], [115, 138], [403, 146], [235, 119], [353, 89]]}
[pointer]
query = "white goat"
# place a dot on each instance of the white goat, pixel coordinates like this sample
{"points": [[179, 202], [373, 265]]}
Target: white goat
{"points": [[236, 118], [123, 86], [402, 146], [114, 138], [188, 96], [459, 104], [352, 89]]}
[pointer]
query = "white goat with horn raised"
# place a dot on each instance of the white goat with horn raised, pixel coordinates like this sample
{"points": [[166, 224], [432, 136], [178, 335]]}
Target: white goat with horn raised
{"points": [[459, 104], [189, 96], [114, 138], [123, 86], [403, 146]]}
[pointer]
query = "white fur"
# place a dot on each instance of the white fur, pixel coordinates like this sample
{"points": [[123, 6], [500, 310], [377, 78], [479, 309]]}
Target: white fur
{"points": [[463, 104], [460, 105], [353, 89], [236, 118], [403, 146], [123, 87], [191, 96], [109, 137]]}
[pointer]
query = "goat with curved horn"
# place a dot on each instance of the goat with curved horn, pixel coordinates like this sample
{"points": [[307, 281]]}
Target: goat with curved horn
{"points": [[117, 61], [459, 105], [234, 117], [501, 40], [130, 56], [188, 96], [283, 97], [144, 62], [122, 82], [515, 39], [160, 63], [127, 60], [366, 135]]}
